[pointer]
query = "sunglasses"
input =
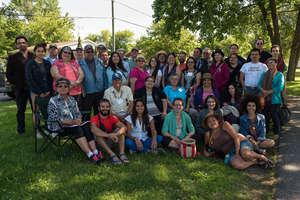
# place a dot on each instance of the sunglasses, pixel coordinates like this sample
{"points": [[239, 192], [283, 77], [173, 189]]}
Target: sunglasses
{"points": [[63, 86], [67, 52], [140, 60], [89, 52], [259, 43]]}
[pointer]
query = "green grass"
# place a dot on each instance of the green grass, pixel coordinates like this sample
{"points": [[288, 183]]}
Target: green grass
{"points": [[27, 175], [293, 87]]}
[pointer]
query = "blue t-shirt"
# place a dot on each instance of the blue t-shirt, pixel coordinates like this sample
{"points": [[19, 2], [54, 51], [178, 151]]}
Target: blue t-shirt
{"points": [[172, 94]]}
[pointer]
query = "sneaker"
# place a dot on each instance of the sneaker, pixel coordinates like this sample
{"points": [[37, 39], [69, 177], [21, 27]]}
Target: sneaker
{"points": [[93, 159], [100, 156], [39, 136]]}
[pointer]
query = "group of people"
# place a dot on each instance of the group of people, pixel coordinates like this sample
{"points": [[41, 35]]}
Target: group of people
{"points": [[225, 104]]}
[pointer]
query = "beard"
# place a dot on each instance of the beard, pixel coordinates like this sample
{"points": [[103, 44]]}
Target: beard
{"points": [[104, 113]]}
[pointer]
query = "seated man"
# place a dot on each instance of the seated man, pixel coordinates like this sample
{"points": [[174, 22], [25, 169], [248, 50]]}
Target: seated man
{"points": [[120, 98], [102, 126], [177, 126]]}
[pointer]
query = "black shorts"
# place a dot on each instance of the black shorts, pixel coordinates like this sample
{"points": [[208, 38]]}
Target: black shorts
{"points": [[79, 131]]}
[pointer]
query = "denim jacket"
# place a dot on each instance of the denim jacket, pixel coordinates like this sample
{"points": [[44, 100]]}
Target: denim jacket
{"points": [[59, 110], [89, 83], [260, 125]]}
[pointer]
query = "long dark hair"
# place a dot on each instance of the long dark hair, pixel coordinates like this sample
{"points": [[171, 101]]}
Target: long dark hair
{"points": [[112, 65], [217, 106], [237, 94], [68, 49], [156, 67], [171, 54], [134, 115]]}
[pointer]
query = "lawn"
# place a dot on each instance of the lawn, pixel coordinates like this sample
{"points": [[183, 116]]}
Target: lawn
{"points": [[293, 87], [27, 175]]}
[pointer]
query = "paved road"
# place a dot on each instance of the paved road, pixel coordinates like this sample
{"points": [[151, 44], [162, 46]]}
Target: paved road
{"points": [[288, 172]]}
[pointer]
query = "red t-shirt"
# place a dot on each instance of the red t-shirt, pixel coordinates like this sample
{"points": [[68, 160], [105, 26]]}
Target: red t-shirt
{"points": [[108, 123]]}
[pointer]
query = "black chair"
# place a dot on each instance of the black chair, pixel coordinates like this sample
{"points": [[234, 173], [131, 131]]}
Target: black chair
{"points": [[55, 140]]}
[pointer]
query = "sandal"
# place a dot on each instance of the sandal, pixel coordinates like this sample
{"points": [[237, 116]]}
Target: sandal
{"points": [[115, 162], [123, 160], [268, 164]]}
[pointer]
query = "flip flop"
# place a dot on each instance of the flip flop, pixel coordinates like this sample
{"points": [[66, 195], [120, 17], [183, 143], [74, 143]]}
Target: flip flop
{"points": [[124, 160], [115, 162]]}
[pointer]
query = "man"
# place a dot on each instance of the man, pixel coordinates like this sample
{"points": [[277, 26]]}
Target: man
{"points": [[53, 53], [182, 58], [234, 49], [263, 54], [94, 82], [120, 98], [101, 47], [104, 57], [15, 74], [201, 64], [132, 60], [206, 55], [102, 126], [78, 53], [121, 52], [251, 72]]}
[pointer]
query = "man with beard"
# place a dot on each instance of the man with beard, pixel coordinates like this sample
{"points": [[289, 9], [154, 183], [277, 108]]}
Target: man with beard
{"points": [[120, 97], [102, 126], [182, 58], [201, 64], [53, 53], [15, 74]]}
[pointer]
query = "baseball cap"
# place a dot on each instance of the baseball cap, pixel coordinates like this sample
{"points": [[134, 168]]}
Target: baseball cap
{"points": [[116, 75]]}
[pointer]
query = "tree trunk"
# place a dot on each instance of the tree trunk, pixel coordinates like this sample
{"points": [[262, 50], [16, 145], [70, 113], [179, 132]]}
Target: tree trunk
{"points": [[276, 36], [295, 51], [266, 20]]}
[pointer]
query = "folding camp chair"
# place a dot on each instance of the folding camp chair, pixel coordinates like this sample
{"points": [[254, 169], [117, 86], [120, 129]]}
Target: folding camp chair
{"points": [[54, 140]]}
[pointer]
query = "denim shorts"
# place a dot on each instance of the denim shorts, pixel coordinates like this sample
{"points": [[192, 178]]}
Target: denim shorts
{"points": [[243, 144]]}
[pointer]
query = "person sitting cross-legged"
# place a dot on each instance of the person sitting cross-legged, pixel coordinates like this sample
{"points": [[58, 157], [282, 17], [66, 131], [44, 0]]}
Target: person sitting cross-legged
{"points": [[63, 109], [138, 125], [177, 126], [102, 126]]}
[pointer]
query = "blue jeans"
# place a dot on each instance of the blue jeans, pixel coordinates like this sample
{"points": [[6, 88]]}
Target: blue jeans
{"points": [[255, 91], [243, 144], [146, 144]]}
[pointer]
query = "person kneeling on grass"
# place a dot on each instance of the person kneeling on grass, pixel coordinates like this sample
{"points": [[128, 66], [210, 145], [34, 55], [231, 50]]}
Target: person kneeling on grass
{"points": [[63, 110], [222, 139], [138, 125], [102, 126], [176, 125]]}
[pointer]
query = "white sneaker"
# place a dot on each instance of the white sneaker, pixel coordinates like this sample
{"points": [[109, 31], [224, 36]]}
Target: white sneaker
{"points": [[39, 136], [54, 135]]}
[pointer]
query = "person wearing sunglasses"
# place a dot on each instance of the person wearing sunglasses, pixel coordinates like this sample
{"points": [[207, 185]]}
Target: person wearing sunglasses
{"points": [[264, 55], [63, 112], [66, 67], [94, 82]]}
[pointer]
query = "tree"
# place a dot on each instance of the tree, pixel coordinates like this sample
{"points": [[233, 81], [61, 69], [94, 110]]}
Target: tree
{"points": [[93, 37], [79, 42], [155, 41], [217, 19]]}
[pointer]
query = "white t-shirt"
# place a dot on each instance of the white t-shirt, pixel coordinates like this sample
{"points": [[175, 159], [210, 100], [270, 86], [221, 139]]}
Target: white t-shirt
{"points": [[138, 131], [253, 72]]}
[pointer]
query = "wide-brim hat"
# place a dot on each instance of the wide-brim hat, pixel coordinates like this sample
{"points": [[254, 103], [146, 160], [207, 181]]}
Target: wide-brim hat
{"points": [[207, 76], [217, 116], [161, 52]]}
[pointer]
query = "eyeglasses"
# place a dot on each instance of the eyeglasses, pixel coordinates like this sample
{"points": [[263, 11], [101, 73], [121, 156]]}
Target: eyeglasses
{"points": [[21, 42], [67, 52], [190, 62], [140, 60], [259, 43], [150, 81], [89, 52], [178, 105], [62, 86]]}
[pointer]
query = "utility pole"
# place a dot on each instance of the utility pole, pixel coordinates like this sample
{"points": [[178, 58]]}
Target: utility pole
{"points": [[113, 25]]}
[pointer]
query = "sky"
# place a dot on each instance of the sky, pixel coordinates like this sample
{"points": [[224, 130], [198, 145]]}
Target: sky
{"points": [[102, 8]]}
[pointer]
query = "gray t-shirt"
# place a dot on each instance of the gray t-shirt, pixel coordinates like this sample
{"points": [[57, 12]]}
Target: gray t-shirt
{"points": [[151, 106]]}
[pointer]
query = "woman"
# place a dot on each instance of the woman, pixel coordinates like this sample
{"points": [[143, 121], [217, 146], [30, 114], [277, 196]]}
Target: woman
{"points": [[38, 77], [66, 67], [271, 85], [191, 77], [222, 139], [171, 68], [177, 126], [162, 57], [253, 125], [234, 69], [115, 64], [173, 90], [138, 124], [231, 105], [211, 106], [276, 54], [155, 101], [138, 74], [64, 112], [219, 70], [205, 90], [153, 69]]}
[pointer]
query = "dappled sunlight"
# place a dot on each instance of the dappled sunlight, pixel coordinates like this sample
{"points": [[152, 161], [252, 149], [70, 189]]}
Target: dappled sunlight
{"points": [[291, 167]]}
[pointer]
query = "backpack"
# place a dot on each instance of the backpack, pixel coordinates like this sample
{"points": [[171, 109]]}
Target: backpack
{"points": [[285, 115]]}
